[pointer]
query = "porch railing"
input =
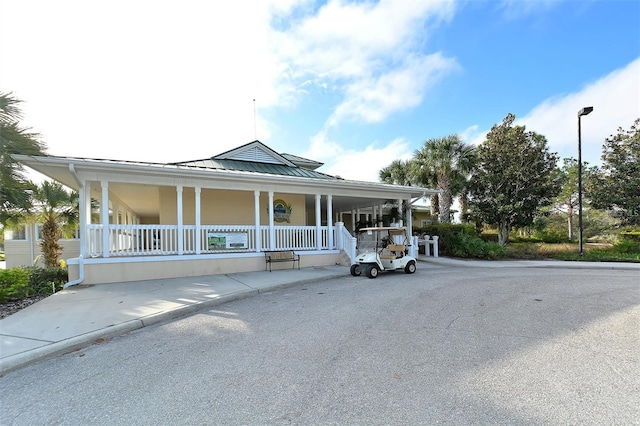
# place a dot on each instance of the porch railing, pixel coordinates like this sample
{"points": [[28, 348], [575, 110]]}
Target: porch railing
{"points": [[153, 240]]}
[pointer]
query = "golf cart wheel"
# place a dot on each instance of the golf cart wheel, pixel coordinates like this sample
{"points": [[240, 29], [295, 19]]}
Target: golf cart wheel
{"points": [[372, 271], [355, 270], [410, 268]]}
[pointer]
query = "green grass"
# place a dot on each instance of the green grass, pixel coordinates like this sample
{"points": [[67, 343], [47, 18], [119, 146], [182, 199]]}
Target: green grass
{"points": [[569, 251]]}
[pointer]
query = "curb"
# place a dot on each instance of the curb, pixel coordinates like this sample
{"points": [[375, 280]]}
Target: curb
{"points": [[471, 263]]}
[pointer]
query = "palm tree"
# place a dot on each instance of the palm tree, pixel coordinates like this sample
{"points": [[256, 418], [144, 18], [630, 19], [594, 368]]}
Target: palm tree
{"points": [[449, 160], [397, 173], [58, 213], [15, 190]]}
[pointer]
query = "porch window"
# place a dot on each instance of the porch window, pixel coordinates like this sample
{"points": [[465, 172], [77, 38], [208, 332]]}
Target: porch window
{"points": [[19, 233]]}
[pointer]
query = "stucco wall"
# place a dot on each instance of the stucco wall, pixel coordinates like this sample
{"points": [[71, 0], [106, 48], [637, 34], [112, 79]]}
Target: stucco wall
{"points": [[221, 207], [147, 269]]}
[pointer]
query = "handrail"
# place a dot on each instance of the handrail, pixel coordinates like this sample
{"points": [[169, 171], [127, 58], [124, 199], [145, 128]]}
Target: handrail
{"points": [[144, 240]]}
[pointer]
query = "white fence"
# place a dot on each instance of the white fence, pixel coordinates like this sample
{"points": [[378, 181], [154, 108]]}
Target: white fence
{"points": [[146, 240]]}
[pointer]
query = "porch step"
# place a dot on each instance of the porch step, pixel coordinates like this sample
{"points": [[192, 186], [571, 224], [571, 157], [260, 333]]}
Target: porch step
{"points": [[344, 259]]}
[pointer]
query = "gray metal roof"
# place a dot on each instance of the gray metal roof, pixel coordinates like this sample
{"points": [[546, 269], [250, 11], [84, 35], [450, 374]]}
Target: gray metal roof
{"points": [[248, 166]]}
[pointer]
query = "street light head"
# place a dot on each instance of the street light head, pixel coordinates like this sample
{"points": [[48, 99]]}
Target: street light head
{"points": [[585, 111]]}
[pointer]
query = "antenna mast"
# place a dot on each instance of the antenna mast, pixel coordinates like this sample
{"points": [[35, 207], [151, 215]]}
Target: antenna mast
{"points": [[255, 128]]}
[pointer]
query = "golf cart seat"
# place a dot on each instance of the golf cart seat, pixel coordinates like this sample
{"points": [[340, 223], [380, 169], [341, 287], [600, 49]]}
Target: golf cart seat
{"points": [[396, 251]]}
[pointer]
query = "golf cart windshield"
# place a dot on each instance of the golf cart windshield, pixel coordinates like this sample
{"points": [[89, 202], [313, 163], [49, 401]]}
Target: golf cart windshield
{"points": [[378, 238]]}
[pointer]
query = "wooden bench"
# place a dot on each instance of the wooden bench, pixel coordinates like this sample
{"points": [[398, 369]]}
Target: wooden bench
{"points": [[281, 256]]}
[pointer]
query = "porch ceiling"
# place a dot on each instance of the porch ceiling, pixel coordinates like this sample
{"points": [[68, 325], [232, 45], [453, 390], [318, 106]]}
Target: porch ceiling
{"points": [[145, 199]]}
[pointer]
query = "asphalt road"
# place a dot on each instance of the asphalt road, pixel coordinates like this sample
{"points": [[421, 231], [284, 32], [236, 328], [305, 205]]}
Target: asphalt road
{"points": [[444, 346]]}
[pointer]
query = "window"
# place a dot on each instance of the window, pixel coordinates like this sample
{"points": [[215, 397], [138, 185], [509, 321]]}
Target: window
{"points": [[19, 233]]}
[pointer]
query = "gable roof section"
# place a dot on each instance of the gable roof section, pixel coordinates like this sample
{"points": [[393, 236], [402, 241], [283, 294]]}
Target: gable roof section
{"points": [[256, 152], [258, 158]]}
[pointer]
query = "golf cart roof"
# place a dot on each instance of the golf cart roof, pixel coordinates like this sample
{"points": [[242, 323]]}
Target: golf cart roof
{"points": [[397, 230]]}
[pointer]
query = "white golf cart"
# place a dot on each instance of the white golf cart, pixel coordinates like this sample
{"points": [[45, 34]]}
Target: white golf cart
{"points": [[382, 249]]}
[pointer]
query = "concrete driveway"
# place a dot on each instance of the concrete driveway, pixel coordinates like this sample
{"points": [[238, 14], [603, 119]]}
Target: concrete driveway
{"points": [[447, 345]]}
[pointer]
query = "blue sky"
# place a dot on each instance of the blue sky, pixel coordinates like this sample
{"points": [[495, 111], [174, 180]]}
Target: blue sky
{"points": [[354, 84]]}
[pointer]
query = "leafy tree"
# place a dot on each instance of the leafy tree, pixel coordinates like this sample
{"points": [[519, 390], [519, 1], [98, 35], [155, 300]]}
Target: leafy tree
{"points": [[450, 160], [513, 177], [396, 173], [567, 201], [15, 190], [616, 186], [58, 212]]}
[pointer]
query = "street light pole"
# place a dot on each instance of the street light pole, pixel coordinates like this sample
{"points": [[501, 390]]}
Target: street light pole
{"points": [[583, 111]]}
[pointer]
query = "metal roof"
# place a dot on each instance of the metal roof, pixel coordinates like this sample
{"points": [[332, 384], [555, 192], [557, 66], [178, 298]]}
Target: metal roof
{"points": [[266, 168]]}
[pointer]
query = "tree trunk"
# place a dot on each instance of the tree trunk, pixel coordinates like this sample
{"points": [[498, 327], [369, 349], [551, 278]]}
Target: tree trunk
{"points": [[570, 222], [464, 206], [50, 244], [435, 207], [503, 233], [444, 184]]}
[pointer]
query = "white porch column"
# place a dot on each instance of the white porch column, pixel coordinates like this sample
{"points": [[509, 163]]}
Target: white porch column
{"points": [[409, 220], [318, 223], [400, 209], [330, 221], [82, 199], [353, 221], [339, 236], [180, 220], [198, 236], [104, 217], [115, 212], [85, 201], [256, 204], [272, 230], [375, 215]]}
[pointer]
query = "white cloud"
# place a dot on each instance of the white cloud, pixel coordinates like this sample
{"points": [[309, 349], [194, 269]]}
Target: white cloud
{"points": [[140, 80], [363, 165], [161, 81], [616, 103], [514, 9], [371, 52], [345, 40], [472, 135], [374, 99]]}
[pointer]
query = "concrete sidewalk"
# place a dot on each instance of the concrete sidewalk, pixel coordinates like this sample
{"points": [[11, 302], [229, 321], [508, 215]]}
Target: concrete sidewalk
{"points": [[81, 315], [78, 317]]}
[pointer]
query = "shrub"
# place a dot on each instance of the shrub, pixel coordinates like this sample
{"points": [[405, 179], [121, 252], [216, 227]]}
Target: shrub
{"points": [[462, 241], [630, 235], [626, 246], [41, 279], [446, 233], [14, 283]]}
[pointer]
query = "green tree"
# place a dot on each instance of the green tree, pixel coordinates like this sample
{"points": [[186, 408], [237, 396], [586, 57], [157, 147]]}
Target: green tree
{"points": [[566, 202], [450, 160], [396, 173], [15, 190], [616, 186], [513, 177], [58, 212]]}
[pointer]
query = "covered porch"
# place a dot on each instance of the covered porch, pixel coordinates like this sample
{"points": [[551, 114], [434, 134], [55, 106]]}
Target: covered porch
{"points": [[146, 221]]}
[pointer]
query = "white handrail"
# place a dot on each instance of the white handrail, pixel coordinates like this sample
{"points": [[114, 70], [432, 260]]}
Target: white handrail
{"points": [[145, 240]]}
